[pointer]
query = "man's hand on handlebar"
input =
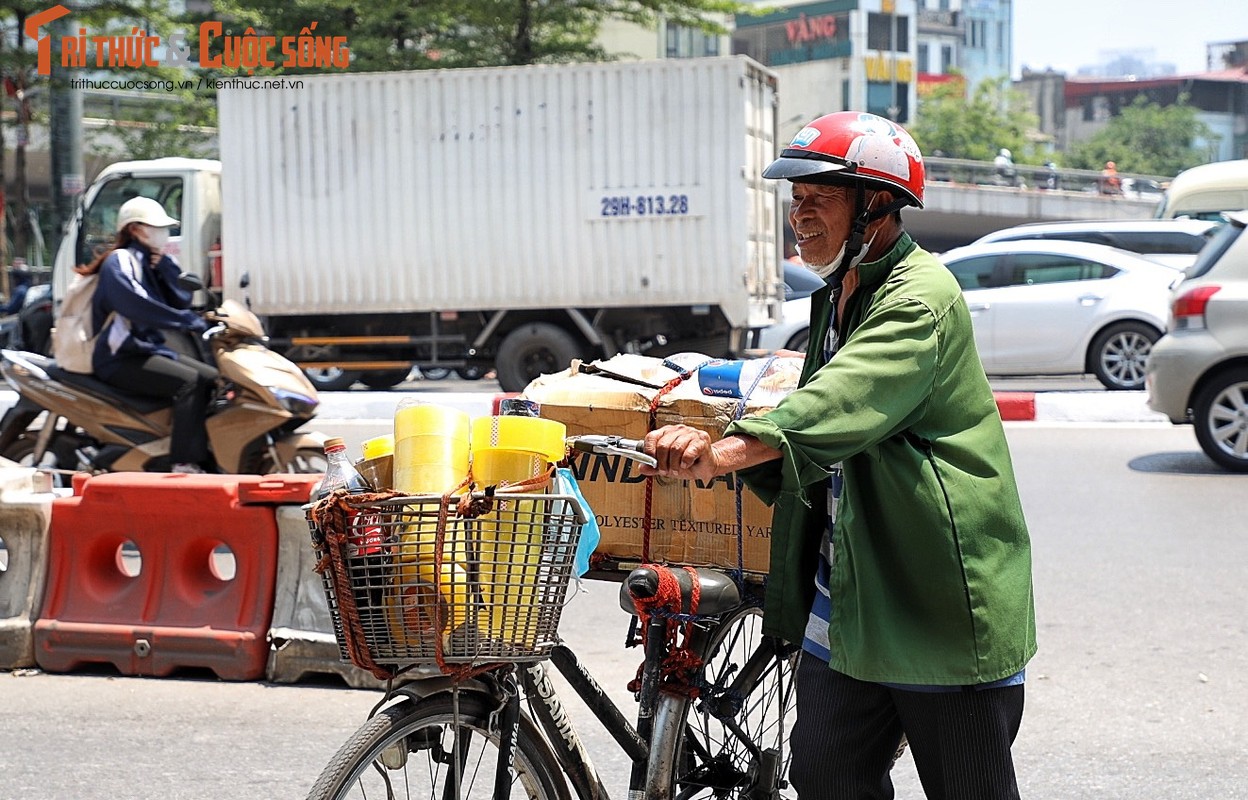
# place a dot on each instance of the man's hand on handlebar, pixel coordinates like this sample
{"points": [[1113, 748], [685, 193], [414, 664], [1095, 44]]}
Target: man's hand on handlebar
{"points": [[681, 452]]}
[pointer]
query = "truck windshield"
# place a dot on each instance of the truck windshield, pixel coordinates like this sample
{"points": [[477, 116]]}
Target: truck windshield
{"points": [[100, 220]]}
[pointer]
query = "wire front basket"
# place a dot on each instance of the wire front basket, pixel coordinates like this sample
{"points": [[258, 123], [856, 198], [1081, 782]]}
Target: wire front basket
{"points": [[428, 585]]}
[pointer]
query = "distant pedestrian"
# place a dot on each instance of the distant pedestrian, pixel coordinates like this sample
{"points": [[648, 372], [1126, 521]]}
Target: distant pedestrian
{"points": [[1110, 183], [1006, 173], [1052, 180]]}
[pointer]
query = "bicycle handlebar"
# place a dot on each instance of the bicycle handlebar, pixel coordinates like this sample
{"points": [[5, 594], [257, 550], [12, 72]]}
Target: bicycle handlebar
{"points": [[612, 446]]}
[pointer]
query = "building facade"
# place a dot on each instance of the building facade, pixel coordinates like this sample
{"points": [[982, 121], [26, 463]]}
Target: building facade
{"points": [[836, 55]]}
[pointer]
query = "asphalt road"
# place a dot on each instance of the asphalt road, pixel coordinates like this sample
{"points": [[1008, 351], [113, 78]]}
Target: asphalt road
{"points": [[1137, 692]]}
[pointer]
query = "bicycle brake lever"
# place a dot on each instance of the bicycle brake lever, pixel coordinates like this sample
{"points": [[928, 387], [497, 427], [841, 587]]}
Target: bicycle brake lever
{"points": [[612, 446]]}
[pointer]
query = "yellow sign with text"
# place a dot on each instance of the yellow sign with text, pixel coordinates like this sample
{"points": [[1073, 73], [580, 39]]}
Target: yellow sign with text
{"points": [[880, 68]]}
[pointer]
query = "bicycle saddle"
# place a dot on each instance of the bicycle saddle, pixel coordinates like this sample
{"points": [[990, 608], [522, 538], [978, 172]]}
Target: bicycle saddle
{"points": [[718, 592]]}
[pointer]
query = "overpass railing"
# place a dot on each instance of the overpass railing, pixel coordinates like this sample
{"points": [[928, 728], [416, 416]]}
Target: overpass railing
{"points": [[1027, 176]]}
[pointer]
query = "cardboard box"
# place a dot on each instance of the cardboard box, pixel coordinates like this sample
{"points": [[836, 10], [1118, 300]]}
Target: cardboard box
{"points": [[691, 524]]}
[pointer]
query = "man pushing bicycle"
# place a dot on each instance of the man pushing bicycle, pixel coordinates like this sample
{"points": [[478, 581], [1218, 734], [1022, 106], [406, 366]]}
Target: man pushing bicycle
{"points": [[899, 557]]}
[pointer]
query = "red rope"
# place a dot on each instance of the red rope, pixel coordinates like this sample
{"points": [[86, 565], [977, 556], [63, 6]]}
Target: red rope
{"points": [[680, 664], [652, 423]]}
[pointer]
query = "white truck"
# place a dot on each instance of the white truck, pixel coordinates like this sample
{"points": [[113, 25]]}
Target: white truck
{"points": [[509, 218]]}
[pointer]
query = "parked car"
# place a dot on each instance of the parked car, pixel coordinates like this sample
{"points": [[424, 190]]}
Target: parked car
{"points": [[793, 329], [1173, 242], [1063, 308], [1198, 372]]}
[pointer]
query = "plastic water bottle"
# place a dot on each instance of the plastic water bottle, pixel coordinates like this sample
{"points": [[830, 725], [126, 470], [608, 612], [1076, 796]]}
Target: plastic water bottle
{"points": [[366, 535]]}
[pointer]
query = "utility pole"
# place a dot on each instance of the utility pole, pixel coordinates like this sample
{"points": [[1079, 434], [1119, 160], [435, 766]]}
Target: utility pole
{"points": [[65, 130], [21, 204], [894, 109]]}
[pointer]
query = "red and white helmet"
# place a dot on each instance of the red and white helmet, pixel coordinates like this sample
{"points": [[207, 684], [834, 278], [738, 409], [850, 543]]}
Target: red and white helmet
{"points": [[850, 147]]}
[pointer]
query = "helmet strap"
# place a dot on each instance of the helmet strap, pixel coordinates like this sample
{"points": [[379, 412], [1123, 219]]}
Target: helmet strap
{"points": [[862, 218]]}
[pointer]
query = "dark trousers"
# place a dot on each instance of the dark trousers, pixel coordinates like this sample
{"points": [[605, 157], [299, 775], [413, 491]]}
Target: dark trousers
{"points": [[188, 383], [848, 731]]}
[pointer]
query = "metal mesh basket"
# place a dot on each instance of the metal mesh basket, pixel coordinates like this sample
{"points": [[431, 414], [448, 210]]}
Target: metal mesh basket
{"points": [[496, 593]]}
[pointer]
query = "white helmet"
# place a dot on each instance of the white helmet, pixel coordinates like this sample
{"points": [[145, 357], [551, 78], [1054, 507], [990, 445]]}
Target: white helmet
{"points": [[144, 210]]}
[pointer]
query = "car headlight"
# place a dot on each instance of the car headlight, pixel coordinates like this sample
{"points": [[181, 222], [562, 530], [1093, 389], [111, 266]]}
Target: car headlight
{"points": [[298, 404]]}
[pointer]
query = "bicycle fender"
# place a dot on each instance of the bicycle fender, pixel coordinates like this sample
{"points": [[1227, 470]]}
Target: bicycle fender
{"points": [[440, 684]]}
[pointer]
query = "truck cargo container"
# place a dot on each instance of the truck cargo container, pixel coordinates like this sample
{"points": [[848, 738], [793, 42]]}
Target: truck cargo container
{"points": [[507, 218]]}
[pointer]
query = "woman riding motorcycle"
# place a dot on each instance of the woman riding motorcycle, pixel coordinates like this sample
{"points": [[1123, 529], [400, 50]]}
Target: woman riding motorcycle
{"points": [[136, 297]]}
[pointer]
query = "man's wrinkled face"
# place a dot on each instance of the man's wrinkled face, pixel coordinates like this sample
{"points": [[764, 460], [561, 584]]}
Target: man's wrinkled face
{"points": [[821, 216]]}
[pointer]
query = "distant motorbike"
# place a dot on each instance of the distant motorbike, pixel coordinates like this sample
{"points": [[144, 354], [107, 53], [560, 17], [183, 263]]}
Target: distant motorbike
{"points": [[69, 422]]}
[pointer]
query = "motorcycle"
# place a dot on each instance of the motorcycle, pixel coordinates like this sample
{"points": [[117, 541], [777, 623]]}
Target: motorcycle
{"points": [[260, 401]]}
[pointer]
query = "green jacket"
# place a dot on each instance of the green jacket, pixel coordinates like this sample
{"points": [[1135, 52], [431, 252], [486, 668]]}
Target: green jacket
{"points": [[931, 572]]}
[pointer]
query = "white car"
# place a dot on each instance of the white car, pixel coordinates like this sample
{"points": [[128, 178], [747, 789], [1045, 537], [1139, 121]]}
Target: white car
{"points": [[793, 329], [1173, 242], [1063, 308]]}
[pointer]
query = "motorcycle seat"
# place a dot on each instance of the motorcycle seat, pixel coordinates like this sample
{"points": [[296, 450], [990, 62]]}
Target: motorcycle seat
{"points": [[140, 403]]}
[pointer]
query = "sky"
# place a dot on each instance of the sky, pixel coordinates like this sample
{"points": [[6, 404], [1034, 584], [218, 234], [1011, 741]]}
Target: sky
{"points": [[1068, 34]]}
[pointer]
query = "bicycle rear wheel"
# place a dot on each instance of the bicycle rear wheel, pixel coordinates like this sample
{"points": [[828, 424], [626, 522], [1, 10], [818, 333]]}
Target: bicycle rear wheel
{"points": [[723, 744], [408, 751]]}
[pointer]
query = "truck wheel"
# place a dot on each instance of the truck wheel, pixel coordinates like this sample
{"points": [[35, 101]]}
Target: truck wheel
{"points": [[537, 348], [331, 379], [384, 380]]}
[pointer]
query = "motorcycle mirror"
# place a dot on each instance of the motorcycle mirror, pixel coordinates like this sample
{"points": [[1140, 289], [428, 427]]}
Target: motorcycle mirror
{"points": [[190, 282], [245, 280]]}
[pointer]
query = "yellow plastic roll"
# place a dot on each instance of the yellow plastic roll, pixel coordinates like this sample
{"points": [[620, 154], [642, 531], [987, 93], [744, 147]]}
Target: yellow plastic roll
{"points": [[431, 450], [379, 446]]}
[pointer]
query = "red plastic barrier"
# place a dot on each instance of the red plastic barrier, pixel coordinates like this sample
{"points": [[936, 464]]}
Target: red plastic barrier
{"points": [[182, 608]]}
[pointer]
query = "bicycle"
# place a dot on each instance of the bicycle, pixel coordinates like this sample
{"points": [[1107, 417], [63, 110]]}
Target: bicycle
{"points": [[713, 713]]}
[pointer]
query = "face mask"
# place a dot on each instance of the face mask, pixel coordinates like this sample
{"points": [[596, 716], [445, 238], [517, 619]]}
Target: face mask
{"points": [[155, 238], [827, 270]]}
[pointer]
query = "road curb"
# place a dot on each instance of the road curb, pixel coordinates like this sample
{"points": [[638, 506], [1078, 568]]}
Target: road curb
{"points": [[1076, 407]]}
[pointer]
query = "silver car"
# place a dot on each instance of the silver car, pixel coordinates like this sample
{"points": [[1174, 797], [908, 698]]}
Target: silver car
{"points": [[1198, 372]]}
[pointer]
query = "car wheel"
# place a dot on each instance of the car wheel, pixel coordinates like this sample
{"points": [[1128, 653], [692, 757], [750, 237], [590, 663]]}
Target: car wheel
{"points": [[1220, 414], [471, 373], [798, 341], [533, 349], [331, 379], [1119, 353], [434, 373]]}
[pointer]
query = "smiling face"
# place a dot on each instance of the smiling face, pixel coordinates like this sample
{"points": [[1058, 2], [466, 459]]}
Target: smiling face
{"points": [[822, 218]]}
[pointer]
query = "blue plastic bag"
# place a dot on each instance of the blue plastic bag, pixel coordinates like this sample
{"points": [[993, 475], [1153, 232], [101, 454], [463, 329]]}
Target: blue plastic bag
{"points": [[565, 483]]}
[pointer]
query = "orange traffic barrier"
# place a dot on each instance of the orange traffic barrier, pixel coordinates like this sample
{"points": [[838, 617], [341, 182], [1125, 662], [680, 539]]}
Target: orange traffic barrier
{"points": [[155, 572], [25, 508]]}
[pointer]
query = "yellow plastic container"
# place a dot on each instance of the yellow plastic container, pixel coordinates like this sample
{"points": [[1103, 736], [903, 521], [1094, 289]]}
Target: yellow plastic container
{"points": [[507, 450], [426, 603], [512, 449], [377, 465], [431, 450], [379, 446]]}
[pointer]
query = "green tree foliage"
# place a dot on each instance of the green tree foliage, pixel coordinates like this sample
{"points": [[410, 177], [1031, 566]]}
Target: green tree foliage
{"points": [[995, 116], [1148, 139], [397, 34]]}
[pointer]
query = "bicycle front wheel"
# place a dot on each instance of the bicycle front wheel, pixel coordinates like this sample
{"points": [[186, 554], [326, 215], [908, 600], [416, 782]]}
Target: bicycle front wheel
{"points": [[427, 748], [732, 741]]}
